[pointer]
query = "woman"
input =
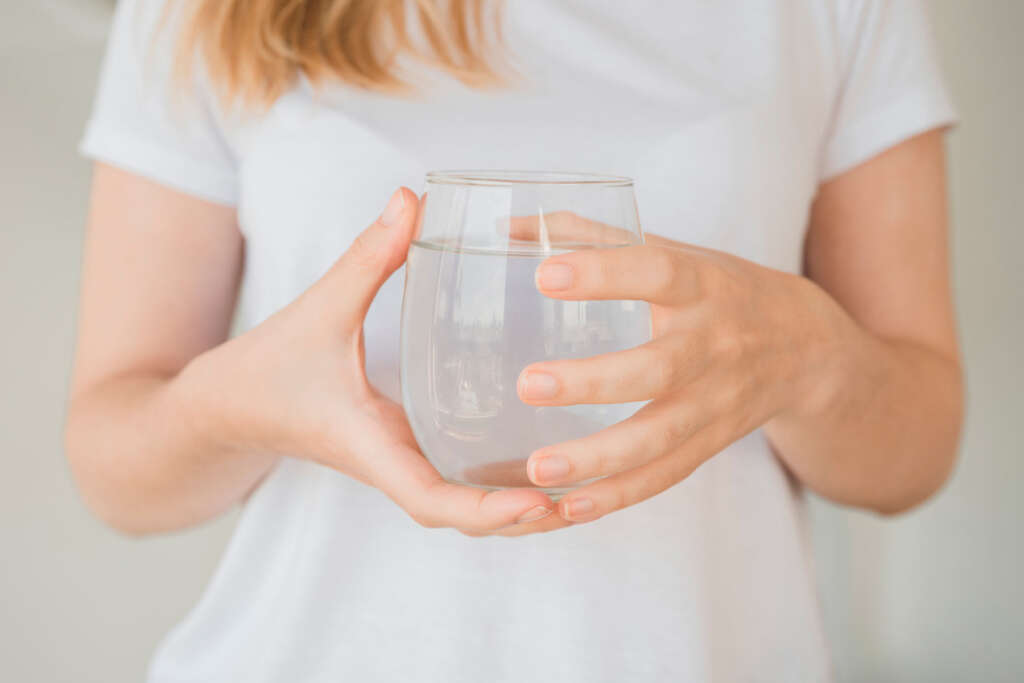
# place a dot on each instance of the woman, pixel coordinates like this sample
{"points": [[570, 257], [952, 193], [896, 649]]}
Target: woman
{"points": [[789, 166]]}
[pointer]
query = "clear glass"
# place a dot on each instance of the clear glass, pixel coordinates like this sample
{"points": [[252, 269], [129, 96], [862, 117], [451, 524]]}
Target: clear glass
{"points": [[472, 317]]}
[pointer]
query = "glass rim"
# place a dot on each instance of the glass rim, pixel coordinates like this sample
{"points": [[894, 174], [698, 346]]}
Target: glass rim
{"points": [[512, 178]]}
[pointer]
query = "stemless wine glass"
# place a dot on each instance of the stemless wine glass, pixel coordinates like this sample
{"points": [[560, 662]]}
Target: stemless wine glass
{"points": [[472, 317]]}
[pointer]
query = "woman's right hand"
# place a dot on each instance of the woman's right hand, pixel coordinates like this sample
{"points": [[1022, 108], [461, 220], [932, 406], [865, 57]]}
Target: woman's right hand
{"points": [[295, 385]]}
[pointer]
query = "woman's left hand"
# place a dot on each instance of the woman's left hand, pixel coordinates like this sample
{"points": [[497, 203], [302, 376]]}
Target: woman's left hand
{"points": [[734, 344]]}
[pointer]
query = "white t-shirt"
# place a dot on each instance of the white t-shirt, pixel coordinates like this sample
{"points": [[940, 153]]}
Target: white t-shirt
{"points": [[728, 115]]}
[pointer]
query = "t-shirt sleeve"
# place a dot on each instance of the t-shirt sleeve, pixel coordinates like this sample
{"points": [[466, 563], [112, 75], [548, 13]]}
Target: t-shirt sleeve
{"points": [[144, 122], [891, 85]]}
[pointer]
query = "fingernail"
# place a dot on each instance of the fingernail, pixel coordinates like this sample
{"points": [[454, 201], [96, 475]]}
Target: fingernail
{"points": [[550, 468], [578, 507], [538, 385], [554, 276], [533, 514], [393, 211]]}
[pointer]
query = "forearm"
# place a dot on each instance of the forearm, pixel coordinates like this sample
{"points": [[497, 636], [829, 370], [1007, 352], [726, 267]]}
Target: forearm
{"points": [[885, 435], [142, 463]]}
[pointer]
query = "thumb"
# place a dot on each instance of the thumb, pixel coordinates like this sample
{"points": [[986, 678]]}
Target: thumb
{"points": [[375, 254]]}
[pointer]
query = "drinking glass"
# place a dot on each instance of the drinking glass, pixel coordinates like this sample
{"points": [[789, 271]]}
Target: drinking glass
{"points": [[472, 317]]}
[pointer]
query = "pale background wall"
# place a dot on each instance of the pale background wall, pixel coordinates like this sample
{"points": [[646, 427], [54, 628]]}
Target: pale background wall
{"points": [[932, 596]]}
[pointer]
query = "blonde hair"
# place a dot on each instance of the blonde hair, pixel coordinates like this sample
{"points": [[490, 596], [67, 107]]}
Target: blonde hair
{"points": [[253, 50]]}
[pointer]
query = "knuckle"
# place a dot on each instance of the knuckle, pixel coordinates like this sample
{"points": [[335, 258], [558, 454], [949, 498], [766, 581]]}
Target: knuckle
{"points": [[663, 271], [664, 368], [592, 387], [365, 251], [425, 520], [669, 434], [663, 438], [604, 266], [565, 226], [721, 282], [562, 219], [733, 395], [653, 482], [597, 464], [711, 279], [729, 344]]}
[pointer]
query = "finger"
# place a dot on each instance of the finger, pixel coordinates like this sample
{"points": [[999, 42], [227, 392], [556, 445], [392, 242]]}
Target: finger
{"points": [[412, 482], [549, 522], [633, 486], [510, 473], [374, 255], [552, 522], [643, 372], [566, 229], [660, 275], [658, 428]]}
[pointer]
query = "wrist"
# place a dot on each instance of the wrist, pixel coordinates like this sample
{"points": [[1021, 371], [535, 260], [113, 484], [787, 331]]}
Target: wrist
{"points": [[826, 356], [198, 399]]}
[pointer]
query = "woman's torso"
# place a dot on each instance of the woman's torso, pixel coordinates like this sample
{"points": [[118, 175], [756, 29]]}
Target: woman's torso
{"points": [[718, 111]]}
